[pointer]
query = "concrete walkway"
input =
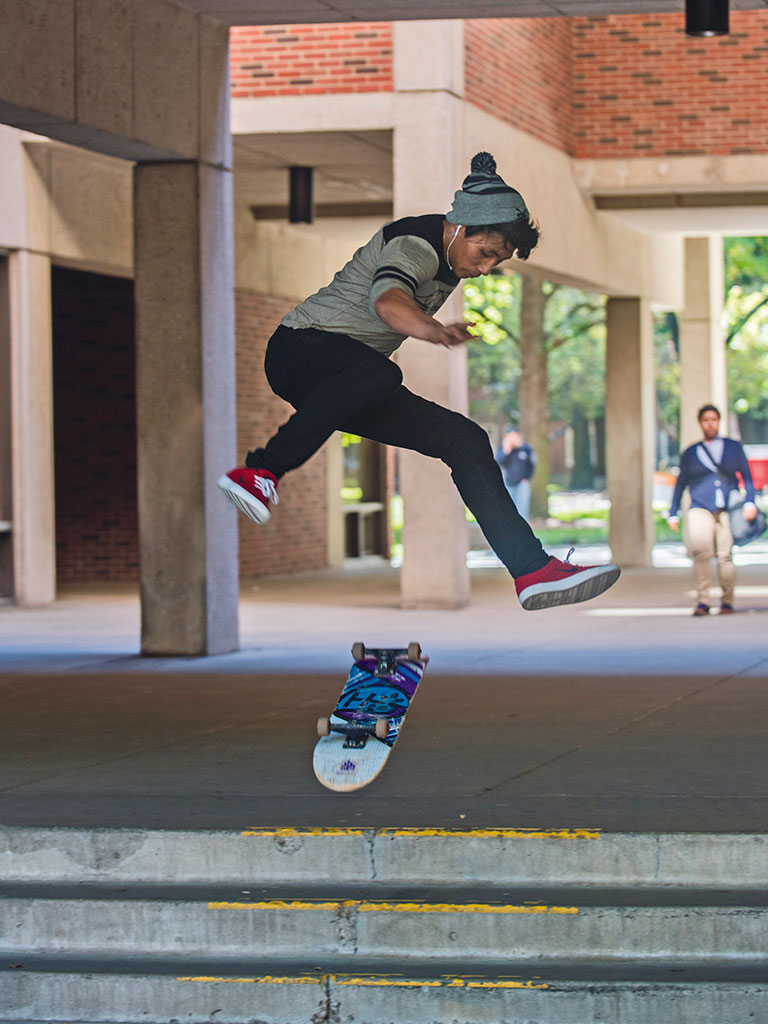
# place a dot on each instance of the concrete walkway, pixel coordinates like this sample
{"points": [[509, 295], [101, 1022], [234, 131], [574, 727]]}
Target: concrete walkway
{"points": [[625, 714]]}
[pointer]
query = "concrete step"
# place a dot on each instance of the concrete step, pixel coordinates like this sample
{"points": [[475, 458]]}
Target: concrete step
{"points": [[291, 925], [493, 857], [100, 997]]}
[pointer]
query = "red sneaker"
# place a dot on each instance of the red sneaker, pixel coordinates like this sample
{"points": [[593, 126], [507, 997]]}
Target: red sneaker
{"points": [[560, 582], [250, 490]]}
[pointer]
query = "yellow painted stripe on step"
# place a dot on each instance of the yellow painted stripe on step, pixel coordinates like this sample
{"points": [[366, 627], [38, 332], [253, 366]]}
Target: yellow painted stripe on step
{"points": [[417, 833], [495, 833], [371, 981], [367, 906], [465, 908], [301, 833], [267, 979], [436, 982]]}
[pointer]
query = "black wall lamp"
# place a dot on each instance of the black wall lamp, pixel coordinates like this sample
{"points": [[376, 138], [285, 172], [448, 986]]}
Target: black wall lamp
{"points": [[706, 17], [301, 202]]}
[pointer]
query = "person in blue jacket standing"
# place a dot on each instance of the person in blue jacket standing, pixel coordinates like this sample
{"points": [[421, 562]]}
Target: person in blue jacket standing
{"points": [[518, 464], [708, 469]]}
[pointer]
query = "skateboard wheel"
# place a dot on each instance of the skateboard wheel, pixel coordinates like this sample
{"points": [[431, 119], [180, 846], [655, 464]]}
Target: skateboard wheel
{"points": [[414, 652], [323, 727], [358, 651], [382, 728]]}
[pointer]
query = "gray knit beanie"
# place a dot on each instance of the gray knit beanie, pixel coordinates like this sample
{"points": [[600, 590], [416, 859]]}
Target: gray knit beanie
{"points": [[485, 198]]}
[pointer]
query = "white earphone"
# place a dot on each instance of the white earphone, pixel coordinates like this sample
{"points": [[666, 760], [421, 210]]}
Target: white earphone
{"points": [[447, 258]]}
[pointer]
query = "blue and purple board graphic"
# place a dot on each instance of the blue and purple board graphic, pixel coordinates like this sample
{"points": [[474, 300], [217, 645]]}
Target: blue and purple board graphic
{"points": [[357, 739], [367, 697]]}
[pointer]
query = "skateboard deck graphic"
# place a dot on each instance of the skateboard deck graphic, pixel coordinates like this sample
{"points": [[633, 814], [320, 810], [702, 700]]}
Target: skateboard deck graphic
{"points": [[357, 739]]}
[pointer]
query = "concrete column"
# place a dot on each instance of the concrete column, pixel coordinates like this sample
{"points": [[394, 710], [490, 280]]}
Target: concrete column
{"points": [[334, 456], [629, 429], [430, 162], [702, 345], [185, 356], [34, 520]]}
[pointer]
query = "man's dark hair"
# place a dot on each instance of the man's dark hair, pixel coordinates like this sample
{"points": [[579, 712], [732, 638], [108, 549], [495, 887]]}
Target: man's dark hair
{"points": [[707, 408], [521, 235]]}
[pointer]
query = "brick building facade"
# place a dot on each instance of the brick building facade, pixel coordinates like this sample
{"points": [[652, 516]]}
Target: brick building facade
{"points": [[594, 87]]}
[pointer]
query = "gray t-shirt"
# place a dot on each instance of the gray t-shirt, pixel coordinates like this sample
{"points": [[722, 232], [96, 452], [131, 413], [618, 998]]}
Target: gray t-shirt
{"points": [[405, 254]]}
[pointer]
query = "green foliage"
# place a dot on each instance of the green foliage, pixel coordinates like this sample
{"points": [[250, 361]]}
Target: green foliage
{"points": [[745, 319], [574, 327], [746, 261], [667, 365], [493, 303], [747, 358]]}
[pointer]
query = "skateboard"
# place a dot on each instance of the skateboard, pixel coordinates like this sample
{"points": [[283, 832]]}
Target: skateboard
{"points": [[358, 737]]}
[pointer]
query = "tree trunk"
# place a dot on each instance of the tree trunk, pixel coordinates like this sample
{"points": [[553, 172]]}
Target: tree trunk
{"points": [[534, 403], [582, 474]]}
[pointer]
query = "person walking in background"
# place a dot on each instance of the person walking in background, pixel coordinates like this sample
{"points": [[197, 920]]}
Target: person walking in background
{"points": [[708, 469], [518, 464]]}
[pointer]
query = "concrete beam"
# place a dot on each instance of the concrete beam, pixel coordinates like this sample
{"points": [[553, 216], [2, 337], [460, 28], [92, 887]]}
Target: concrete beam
{"points": [[138, 79]]}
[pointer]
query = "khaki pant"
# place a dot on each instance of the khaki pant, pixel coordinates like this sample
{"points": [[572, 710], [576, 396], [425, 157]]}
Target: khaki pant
{"points": [[707, 536]]}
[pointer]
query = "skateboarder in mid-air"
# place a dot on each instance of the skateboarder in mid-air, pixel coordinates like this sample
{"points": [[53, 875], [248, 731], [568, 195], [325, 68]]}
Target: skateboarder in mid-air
{"points": [[329, 358]]}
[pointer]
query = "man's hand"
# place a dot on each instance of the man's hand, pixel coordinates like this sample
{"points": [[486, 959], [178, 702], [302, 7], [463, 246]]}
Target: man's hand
{"points": [[674, 523], [450, 335], [750, 512]]}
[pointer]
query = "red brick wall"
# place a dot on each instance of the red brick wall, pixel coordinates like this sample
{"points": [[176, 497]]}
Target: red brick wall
{"points": [[94, 427], [644, 88], [95, 438], [519, 70], [295, 538], [624, 85], [290, 60]]}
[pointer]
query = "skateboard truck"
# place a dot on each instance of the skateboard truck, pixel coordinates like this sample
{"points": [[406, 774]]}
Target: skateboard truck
{"points": [[388, 657], [357, 733]]}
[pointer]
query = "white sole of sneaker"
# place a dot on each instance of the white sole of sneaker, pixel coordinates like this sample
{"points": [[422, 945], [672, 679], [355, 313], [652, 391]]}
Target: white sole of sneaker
{"points": [[242, 500], [584, 587]]}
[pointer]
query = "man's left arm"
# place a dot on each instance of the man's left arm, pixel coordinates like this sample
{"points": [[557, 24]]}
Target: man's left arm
{"points": [[742, 466]]}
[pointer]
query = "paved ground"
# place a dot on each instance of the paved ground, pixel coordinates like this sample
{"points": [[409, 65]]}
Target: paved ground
{"points": [[624, 714]]}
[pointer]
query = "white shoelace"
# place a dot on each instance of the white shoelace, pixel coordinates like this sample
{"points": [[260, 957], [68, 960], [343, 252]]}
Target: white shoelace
{"points": [[267, 488]]}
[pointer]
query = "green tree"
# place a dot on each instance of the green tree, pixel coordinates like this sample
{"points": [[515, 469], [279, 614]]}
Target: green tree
{"points": [[666, 351], [541, 355], [745, 319]]}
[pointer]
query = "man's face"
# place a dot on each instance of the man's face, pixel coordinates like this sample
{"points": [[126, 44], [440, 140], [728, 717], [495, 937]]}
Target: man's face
{"points": [[710, 425], [479, 254]]}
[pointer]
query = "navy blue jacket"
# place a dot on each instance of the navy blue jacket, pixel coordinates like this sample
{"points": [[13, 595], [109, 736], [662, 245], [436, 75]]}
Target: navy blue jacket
{"points": [[517, 465], [703, 482]]}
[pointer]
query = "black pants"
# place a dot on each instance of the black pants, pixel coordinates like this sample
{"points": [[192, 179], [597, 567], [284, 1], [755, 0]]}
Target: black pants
{"points": [[337, 383]]}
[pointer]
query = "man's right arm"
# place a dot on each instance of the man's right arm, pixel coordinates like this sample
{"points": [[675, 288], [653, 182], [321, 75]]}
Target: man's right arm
{"points": [[404, 315], [682, 479]]}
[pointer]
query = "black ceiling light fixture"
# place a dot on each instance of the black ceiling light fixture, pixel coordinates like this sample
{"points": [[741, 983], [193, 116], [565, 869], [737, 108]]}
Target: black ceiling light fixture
{"points": [[301, 202], [706, 17]]}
